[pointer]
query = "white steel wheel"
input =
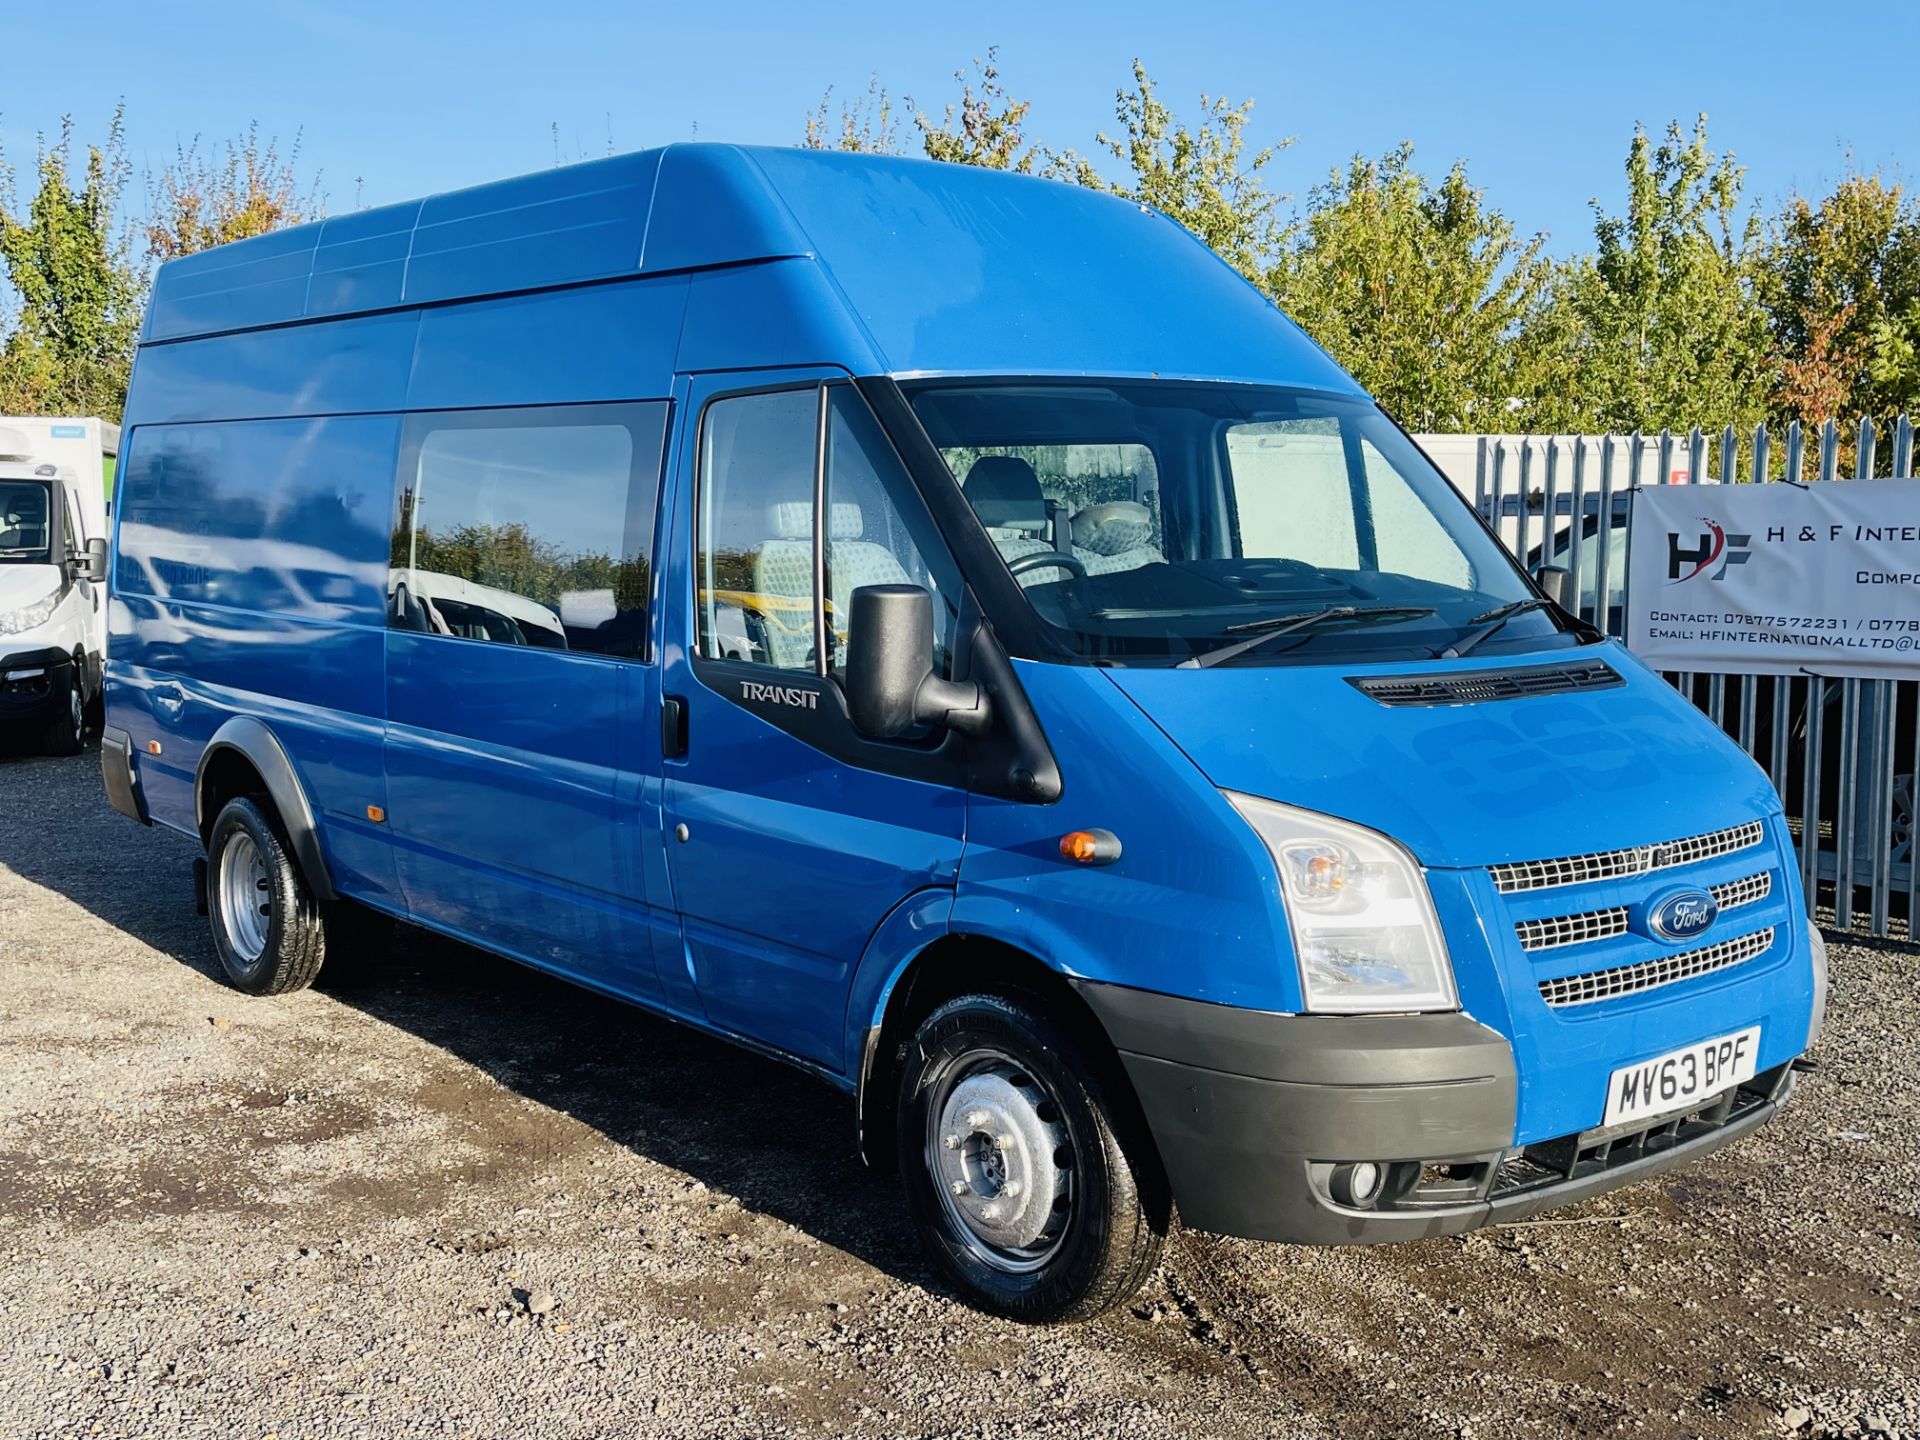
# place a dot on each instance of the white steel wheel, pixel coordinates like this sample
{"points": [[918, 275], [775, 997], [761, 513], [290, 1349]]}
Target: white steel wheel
{"points": [[1031, 1183], [1005, 1166], [245, 896]]}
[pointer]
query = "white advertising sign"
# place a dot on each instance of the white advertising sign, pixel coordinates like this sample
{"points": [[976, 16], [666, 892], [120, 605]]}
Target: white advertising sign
{"points": [[1777, 579]]}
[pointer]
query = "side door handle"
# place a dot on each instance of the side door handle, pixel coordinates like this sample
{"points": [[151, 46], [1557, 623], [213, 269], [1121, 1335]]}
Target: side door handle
{"points": [[673, 727]]}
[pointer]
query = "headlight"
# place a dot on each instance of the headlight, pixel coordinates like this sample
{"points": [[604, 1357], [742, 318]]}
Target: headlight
{"points": [[1363, 923], [13, 622]]}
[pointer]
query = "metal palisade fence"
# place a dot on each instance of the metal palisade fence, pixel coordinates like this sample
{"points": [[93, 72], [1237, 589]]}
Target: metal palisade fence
{"points": [[1843, 752]]}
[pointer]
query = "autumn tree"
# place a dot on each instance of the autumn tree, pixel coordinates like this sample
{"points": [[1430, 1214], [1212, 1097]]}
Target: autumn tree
{"points": [[1841, 282], [231, 192]]}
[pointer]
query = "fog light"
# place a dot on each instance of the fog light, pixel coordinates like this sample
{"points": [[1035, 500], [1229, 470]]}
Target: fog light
{"points": [[1356, 1186]]}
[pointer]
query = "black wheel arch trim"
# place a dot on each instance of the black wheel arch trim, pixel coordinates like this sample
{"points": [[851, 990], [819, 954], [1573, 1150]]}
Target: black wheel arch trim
{"points": [[261, 748]]}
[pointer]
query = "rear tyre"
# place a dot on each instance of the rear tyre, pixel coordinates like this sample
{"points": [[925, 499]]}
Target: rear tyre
{"points": [[66, 732], [267, 927], [1027, 1184]]}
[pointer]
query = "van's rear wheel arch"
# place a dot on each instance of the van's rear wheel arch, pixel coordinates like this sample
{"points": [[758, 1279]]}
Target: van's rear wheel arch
{"points": [[245, 758]]}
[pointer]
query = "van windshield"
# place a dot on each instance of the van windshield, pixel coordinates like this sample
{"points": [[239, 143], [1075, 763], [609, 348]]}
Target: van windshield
{"points": [[1160, 522], [25, 528]]}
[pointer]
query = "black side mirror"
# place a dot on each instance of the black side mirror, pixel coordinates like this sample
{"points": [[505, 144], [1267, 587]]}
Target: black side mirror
{"points": [[891, 687], [1553, 583], [92, 562]]}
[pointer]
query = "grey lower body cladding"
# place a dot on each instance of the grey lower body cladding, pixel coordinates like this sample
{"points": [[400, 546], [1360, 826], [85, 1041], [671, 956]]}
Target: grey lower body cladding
{"points": [[1260, 1117]]}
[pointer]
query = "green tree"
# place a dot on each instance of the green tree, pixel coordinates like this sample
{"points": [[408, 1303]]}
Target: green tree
{"points": [[868, 125], [1202, 176], [984, 128], [77, 295], [1841, 282], [1661, 325], [1422, 291], [233, 192]]}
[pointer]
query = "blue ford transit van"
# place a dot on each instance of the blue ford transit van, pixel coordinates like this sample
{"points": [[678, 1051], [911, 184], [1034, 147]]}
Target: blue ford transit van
{"points": [[946, 630]]}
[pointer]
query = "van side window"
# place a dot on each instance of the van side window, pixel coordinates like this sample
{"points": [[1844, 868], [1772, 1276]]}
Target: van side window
{"points": [[73, 527], [755, 546], [757, 598], [529, 527], [878, 532]]}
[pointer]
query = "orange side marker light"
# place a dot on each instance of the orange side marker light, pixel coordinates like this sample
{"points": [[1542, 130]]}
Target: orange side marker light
{"points": [[1090, 847], [376, 814]]}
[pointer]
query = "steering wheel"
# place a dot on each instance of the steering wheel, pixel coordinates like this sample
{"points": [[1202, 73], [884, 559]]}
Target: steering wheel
{"points": [[1046, 560]]}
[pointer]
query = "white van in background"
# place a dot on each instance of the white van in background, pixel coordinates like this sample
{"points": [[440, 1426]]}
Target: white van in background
{"points": [[53, 559]]}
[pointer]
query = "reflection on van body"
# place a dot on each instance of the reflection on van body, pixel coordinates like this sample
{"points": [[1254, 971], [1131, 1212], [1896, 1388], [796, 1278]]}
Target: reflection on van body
{"points": [[447, 605], [944, 629]]}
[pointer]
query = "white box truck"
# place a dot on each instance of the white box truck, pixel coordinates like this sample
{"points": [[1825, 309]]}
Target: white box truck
{"points": [[53, 567]]}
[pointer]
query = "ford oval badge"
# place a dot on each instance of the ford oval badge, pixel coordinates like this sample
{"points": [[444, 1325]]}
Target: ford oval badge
{"points": [[1683, 914]]}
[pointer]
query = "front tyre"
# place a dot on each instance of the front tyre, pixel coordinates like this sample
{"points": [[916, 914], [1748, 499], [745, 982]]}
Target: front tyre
{"points": [[1027, 1185], [65, 732], [267, 927]]}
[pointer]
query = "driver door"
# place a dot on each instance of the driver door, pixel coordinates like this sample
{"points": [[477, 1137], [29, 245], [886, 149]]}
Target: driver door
{"points": [[790, 836]]}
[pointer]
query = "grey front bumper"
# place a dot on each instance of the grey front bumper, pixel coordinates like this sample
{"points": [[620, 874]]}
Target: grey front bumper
{"points": [[1252, 1111]]}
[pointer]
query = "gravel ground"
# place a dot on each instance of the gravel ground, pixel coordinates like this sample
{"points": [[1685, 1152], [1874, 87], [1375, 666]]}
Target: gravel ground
{"points": [[457, 1198]]}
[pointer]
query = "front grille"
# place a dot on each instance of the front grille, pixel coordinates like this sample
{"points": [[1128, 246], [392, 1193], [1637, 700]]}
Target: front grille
{"points": [[1557, 930], [1561, 930], [1522, 875], [1598, 985], [1735, 893], [1480, 685]]}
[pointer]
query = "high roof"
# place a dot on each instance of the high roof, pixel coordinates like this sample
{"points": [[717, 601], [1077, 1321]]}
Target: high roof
{"points": [[946, 268]]}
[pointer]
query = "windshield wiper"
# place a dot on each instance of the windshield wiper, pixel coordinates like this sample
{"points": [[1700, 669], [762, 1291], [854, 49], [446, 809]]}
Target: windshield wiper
{"points": [[1491, 621], [1279, 625]]}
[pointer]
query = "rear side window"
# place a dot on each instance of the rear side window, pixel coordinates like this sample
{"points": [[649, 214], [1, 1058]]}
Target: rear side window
{"points": [[288, 517], [529, 527]]}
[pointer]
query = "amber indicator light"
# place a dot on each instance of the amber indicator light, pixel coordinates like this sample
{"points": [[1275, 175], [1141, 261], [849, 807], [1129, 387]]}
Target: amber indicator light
{"points": [[376, 814], [1090, 847], [153, 747]]}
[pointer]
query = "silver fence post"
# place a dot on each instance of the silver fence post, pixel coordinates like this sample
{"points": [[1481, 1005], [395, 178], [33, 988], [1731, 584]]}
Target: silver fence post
{"points": [[1551, 534], [1497, 520], [1526, 498], [1603, 552], [1575, 533]]}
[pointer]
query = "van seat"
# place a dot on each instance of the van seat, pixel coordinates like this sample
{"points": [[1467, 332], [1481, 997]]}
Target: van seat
{"points": [[1006, 495], [783, 568], [1115, 536]]}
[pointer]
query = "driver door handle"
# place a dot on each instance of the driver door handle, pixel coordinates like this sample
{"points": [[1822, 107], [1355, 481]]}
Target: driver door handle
{"points": [[673, 727]]}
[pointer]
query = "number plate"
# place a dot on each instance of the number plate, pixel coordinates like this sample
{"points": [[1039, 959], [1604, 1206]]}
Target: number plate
{"points": [[1681, 1079]]}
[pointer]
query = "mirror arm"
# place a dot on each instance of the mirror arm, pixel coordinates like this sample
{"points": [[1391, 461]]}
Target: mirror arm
{"points": [[960, 705]]}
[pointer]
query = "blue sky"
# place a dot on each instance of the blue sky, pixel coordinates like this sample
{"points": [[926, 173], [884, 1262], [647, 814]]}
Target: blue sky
{"points": [[405, 97]]}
